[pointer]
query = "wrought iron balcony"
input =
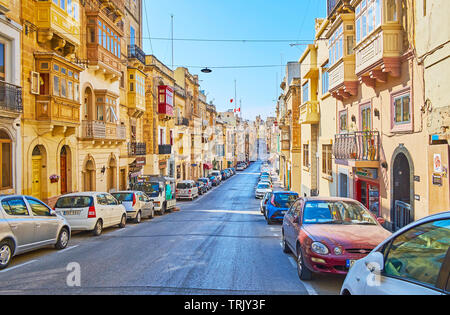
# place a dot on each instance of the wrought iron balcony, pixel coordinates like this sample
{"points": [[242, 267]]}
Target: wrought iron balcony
{"points": [[182, 121], [358, 146], [137, 149], [332, 5], [135, 52], [165, 149], [10, 97]]}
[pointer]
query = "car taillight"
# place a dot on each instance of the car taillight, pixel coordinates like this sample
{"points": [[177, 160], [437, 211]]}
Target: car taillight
{"points": [[190, 191], [134, 199], [91, 212]]}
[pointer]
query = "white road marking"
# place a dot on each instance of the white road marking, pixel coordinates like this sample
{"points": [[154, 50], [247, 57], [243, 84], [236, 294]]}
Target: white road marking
{"points": [[18, 266], [67, 249], [308, 287]]}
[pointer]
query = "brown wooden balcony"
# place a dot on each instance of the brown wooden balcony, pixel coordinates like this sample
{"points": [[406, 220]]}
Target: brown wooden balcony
{"points": [[137, 149], [358, 149], [309, 113]]}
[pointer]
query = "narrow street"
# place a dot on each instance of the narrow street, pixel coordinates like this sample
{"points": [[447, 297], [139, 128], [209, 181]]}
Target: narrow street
{"points": [[217, 244]]}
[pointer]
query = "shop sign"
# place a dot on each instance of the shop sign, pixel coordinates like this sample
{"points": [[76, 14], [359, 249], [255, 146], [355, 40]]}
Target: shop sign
{"points": [[367, 172], [140, 161], [162, 164]]}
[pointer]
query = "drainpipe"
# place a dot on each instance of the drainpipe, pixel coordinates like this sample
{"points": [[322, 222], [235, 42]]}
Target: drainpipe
{"points": [[18, 157]]}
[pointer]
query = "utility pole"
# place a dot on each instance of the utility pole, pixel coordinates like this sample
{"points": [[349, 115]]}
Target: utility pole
{"points": [[172, 38]]}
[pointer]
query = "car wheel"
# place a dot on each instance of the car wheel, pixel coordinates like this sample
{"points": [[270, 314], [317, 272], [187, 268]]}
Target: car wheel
{"points": [[98, 229], [6, 253], [123, 222], [63, 239], [286, 248], [303, 272], [138, 218]]}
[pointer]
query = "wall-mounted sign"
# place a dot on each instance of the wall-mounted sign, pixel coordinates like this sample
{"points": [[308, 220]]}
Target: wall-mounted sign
{"points": [[367, 172], [437, 163], [162, 164]]}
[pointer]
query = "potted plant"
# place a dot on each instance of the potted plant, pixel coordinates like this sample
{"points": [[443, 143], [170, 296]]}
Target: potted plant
{"points": [[54, 178]]}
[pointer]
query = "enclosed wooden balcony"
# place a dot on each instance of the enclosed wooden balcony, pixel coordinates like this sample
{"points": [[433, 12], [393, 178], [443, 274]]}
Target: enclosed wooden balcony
{"points": [[379, 47], [59, 25], [136, 93], [309, 113], [165, 102]]}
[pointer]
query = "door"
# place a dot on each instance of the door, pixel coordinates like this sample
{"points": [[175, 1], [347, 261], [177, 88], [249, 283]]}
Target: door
{"points": [[46, 224], [103, 210], [147, 205], [20, 221], [36, 176], [416, 261], [293, 223], [63, 165], [115, 209]]}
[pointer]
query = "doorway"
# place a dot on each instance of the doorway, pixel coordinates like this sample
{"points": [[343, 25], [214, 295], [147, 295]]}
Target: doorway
{"points": [[402, 190], [37, 171], [89, 176]]}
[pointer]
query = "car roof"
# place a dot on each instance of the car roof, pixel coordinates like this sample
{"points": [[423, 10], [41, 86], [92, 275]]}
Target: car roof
{"points": [[84, 194], [286, 192]]}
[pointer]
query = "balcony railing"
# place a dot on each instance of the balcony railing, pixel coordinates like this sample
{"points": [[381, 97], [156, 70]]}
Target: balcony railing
{"points": [[357, 146], [137, 149], [102, 130], [10, 97], [332, 5], [165, 149], [135, 51], [182, 121]]}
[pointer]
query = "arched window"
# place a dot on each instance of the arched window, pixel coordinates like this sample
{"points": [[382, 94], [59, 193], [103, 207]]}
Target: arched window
{"points": [[6, 160]]}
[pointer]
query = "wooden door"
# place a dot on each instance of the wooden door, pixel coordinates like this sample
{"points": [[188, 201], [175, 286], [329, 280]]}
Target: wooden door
{"points": [[36, 176], [63, 165]]}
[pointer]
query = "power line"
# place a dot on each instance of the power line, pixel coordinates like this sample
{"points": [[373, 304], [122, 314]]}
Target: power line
{"points": [[148, 26]]}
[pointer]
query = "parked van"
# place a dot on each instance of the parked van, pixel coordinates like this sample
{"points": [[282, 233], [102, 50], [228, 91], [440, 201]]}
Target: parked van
{"points": [[187, 189]]}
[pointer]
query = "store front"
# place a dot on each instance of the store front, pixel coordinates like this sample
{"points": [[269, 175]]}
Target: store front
{"points": [[367, 189], [136, 169]]}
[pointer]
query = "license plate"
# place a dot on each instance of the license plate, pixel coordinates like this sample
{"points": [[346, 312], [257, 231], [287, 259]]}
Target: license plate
{"points": [[350, 263], [72, 212]]}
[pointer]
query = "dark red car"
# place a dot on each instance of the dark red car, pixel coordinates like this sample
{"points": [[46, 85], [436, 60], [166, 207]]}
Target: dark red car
{"points": [[327, 235]]}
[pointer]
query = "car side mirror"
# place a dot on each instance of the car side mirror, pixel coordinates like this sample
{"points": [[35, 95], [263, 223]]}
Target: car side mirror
{"points": [[375, 262], [381, 220], [53, 213]]}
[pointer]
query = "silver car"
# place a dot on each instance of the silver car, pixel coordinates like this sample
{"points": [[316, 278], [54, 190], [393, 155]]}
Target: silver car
{"points": [[26, 223], [137, 204]]}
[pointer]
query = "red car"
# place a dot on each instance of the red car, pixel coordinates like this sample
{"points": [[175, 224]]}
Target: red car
{"points": [[328, 235]]}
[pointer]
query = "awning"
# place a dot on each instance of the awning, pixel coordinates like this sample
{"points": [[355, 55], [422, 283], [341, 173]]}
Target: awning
{"points": [[207, 166]]}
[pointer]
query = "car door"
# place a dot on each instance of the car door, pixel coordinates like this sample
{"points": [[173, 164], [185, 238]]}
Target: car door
{"points": [[46, 224], [103, 210], [116, 209], [296, 222], [20, 221], [416, 262], [287, 223], [145, 204]]}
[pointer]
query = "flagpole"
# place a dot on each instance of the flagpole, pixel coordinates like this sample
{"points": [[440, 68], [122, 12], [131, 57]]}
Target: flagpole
{"points": [[235, 96]]}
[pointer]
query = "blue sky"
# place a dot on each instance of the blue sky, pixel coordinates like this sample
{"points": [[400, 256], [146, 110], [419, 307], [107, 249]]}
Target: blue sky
{"points": [[233, 19]]}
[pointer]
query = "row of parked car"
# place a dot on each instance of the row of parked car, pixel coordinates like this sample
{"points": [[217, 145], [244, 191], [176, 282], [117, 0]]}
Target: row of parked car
{"points": [[190, 189], [27, 223], [340, 236]]}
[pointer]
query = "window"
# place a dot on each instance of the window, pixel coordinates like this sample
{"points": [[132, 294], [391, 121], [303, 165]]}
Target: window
{"points": [[391, 11], [343, 127], [56, 85], [368, 18], [306, 155], [38, 208], [327, 159], [417, 255], [402, 109], [336, 45], [325, 79], [366, 118], [2, 62], [305, 92], [132, 36], [15, 206], [63, 88]]}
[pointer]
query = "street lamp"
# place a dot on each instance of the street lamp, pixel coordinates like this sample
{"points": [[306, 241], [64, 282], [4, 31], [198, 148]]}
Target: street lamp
{"points": [[206, 70]]}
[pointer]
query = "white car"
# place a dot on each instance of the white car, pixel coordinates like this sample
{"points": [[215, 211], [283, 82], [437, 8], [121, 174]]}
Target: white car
{"points": [[262, 189], [187, 189], [137, 204], [91, 211], [216, 174], [413, 261]]}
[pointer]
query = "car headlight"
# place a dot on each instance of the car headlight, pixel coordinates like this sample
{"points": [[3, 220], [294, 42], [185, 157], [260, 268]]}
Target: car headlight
{"points": [[319, 248], [338, 251]]}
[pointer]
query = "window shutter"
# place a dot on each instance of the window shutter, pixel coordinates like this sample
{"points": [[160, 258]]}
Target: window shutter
{"points": [[35, 85]]}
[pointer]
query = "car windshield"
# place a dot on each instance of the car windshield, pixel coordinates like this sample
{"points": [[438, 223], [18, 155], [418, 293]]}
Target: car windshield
{"points": [[121, 197], [183, 186], [336, 212], [74, 202], [263, 186], [284, 200], [151, 189]]}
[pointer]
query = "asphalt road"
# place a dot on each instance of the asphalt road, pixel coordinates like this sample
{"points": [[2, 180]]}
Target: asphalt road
{"points": [[217, 244]]}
